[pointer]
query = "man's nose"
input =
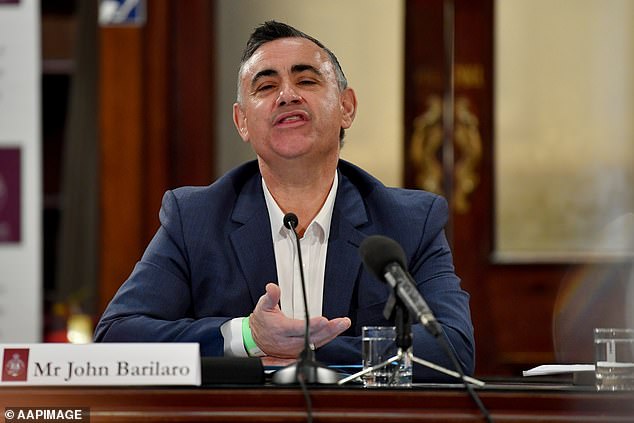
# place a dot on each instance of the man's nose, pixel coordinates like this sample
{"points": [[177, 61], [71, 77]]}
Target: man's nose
{"points": [[288, 95]]}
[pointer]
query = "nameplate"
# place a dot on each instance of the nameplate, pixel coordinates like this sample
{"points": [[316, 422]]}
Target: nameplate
{"points": [[101, 364]]}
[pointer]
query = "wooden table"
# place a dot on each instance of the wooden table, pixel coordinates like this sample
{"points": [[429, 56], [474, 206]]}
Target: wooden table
{"points": [[506, 402]]}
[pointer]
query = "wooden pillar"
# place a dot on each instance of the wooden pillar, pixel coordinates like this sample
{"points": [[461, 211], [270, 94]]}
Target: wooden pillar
{"points": [[121, 127], [193, 91], [158, 111], [157, 125]]}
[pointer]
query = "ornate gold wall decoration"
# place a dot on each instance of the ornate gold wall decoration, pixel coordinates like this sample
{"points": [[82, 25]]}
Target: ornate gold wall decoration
{"points": [[468, 145], [426, 143]]}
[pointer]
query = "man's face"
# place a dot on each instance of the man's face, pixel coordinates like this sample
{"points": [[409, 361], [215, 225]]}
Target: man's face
{"points": [[291, 106]]}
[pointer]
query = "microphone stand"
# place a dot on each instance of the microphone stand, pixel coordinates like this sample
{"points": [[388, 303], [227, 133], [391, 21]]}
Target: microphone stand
{"points": [[307, 369], [397, 312]]}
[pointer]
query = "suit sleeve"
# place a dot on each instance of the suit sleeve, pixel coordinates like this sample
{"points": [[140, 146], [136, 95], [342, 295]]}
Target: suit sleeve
{"points": [[433, 270], [155, 303], [431, 265]]}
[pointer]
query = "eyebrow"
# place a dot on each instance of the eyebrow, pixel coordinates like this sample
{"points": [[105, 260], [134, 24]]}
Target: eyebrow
{"points": [[302, 68], [299, 68]]}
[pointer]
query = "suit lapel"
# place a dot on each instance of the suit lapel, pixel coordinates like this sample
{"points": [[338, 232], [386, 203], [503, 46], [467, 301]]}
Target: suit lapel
{"points": [[252, 242], [343, 263]]}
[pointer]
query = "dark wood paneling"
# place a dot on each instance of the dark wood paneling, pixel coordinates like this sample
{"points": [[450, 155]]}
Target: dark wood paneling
{"points": [[519, 307], [157, 125], [122, 172], [194, 87], [424, 75], [158, 111], [270, 404]]}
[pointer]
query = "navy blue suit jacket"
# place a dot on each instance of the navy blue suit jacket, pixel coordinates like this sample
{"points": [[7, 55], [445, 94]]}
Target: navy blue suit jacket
{"points": [[213, 255]]}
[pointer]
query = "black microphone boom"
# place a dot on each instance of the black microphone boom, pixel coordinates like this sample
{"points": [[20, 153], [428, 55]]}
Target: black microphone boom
{"points": [[291, 221], [306, 369], [386, 260]]}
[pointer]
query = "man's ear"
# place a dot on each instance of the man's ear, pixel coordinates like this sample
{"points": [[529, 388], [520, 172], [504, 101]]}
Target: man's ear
{"points": [[348, 107], [240, 121]]}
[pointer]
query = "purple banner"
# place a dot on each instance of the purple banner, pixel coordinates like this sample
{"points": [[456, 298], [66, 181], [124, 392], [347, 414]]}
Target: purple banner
{"points": [[9, 195]]}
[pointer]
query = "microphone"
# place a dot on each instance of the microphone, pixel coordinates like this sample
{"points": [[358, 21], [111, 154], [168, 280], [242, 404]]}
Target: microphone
{"points": [[307, 369], [385, 258], [291, 222]]}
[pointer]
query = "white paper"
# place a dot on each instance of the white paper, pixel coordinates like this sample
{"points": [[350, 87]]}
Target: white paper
{"points": [[552, 369]]}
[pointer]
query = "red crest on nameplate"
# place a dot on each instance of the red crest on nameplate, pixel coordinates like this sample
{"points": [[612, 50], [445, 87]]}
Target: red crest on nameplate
{"points": [[15, 362]]}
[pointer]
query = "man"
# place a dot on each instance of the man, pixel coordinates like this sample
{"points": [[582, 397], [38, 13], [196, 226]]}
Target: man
{"points": [[209, 275]]}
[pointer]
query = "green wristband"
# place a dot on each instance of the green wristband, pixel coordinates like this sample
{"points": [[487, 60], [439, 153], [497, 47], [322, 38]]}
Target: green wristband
{"points": [[247, 338]]}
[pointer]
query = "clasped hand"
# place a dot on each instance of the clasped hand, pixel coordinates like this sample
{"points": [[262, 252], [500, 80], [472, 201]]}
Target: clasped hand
{"points": [[282, 338]]}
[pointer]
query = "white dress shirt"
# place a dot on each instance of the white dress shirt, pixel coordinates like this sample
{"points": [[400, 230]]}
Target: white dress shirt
{"points": [[314, 245]]}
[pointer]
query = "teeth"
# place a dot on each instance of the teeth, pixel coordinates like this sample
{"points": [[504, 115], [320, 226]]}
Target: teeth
{"points": [[291, 118]]}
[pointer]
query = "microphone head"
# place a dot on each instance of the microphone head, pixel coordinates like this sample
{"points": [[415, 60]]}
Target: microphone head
{"points": [[377, 251], [290, 221]]}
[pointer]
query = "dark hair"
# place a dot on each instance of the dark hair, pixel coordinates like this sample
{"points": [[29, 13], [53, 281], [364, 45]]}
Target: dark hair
{"points": [[273, 30]]}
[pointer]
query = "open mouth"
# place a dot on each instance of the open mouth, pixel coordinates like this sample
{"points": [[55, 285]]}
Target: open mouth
{"points": [[291, 118]]}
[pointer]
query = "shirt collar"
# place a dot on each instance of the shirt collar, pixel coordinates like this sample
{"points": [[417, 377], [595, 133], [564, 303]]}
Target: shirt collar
{"points": [[320, 224]]}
